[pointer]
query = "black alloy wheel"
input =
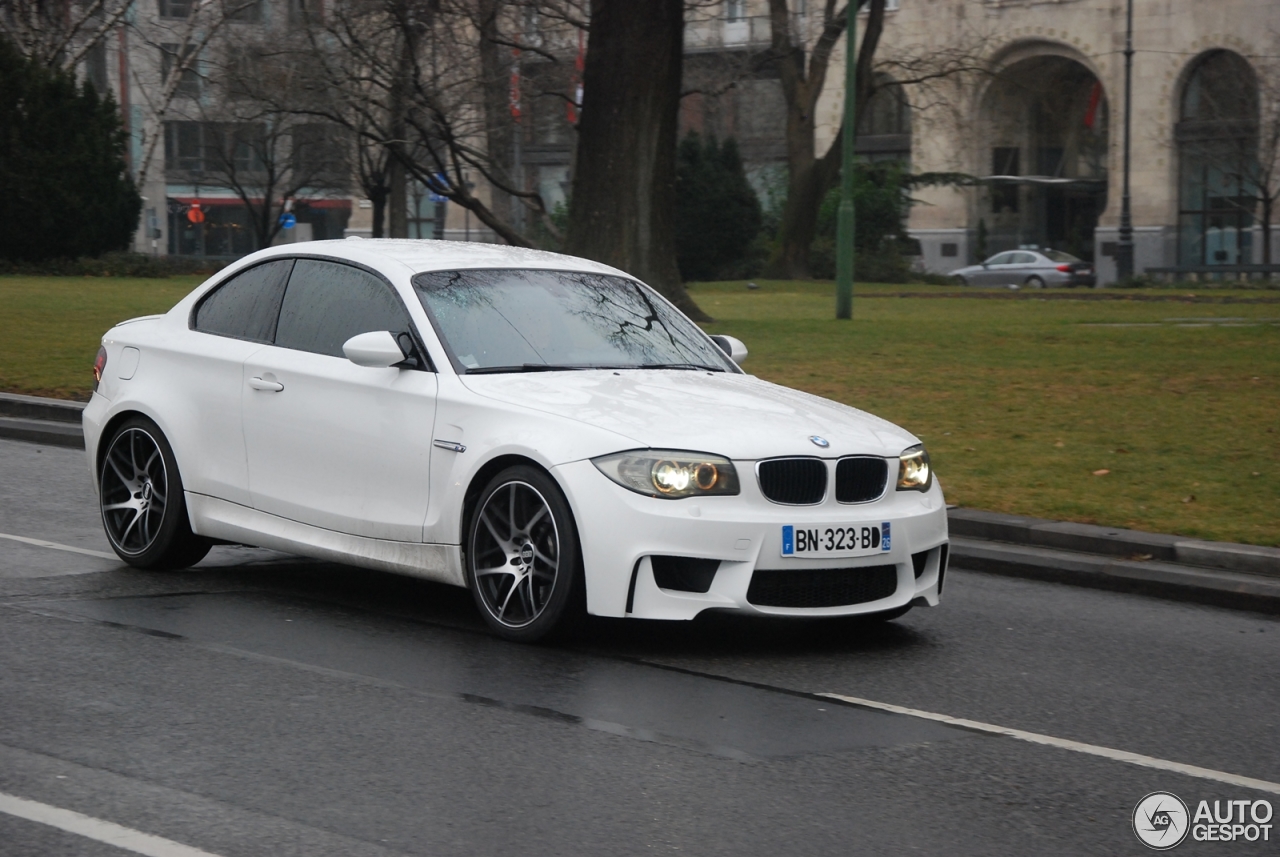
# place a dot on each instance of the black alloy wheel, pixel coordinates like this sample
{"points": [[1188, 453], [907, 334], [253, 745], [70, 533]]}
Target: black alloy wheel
{"points": [[523, 561], [1035, 283], [144, 510]]}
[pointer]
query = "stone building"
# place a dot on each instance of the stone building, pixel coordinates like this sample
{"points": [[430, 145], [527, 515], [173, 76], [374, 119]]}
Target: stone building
{"points": [[1042, 129]]}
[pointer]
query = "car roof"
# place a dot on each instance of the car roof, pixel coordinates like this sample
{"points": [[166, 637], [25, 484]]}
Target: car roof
{"points": [[421, 255]]}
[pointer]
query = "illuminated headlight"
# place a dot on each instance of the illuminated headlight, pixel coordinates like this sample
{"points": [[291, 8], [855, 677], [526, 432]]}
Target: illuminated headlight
{"points": [[669, 473], [914, 473]]}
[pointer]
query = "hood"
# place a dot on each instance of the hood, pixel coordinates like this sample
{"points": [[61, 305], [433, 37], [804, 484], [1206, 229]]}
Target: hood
{"points": [[738, 416]]}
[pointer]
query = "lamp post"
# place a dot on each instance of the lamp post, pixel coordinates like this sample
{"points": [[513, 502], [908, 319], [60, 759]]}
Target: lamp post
{"points": [[1124, 247], [844, 218]]}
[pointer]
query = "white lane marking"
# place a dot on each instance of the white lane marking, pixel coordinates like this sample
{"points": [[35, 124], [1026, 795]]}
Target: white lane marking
{"points": [[1066, 744], [95, 828], [41, 543]]}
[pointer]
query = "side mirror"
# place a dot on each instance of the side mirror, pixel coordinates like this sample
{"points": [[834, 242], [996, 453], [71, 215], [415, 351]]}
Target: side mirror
{"points": [[732, 346], [377, 349]]}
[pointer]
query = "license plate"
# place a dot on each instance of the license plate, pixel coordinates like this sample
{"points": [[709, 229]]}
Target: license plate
{"points": [[832, 541]]}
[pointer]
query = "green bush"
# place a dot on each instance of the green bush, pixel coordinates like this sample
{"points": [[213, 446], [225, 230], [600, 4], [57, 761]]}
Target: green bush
{"points": [[64, 191], [881, 202], [113, 265], [717, 215]]}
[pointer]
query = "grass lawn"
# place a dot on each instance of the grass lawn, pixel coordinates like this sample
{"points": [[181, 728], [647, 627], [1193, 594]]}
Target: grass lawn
{"points": [[50, 327], [1020, 401]]}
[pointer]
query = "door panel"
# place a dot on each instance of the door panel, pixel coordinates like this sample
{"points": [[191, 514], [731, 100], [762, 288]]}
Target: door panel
{"points": [[330, 443], [339, 446], [204, 378]]}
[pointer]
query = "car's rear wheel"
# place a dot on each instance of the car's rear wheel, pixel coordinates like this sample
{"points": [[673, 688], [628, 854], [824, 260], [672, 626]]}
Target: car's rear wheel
{"points": [[144, 510], [1035, 283], [524, 564]]}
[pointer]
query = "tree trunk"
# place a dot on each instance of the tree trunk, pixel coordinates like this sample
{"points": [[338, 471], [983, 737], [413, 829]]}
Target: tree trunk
{"points": [[495, 70], [397, 199], [623, 205], [809, 177], [1268, 201], [378, 198]]}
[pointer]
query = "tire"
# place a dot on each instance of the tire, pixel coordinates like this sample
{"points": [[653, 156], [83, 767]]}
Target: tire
{"points": [[960, 281], [1035, 283], [524, 561], [140, 495]]}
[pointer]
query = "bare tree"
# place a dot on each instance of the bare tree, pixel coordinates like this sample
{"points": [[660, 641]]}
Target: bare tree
{"points": [[929, 71], [180, 40], [410, 76], [61, 33]]}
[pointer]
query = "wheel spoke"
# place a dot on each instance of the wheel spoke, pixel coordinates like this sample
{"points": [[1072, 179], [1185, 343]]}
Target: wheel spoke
{"points": [[489, 525], [127, 504], [511, 513], [528, 527], [124, 537], [502, 611], [497, 569]]}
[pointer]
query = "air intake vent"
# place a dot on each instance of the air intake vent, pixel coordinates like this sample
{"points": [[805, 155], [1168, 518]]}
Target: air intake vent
{"points": [[684, 573], [822, 587], [859, 480], [794, 481]]}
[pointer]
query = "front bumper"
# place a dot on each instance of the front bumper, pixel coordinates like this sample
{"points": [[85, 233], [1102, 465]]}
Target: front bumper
{"points": [[620, 530]]}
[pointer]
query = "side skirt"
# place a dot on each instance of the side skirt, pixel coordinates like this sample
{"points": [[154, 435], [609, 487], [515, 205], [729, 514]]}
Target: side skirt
{"points": [[219, 519]]}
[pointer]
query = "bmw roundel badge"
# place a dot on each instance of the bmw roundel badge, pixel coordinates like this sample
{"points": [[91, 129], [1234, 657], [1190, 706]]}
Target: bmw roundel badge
{"points": [[819, 441]]}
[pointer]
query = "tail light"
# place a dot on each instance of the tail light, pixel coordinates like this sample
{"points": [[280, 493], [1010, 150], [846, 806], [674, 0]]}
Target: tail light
{"points": [[1066, 269], [99, 364]]}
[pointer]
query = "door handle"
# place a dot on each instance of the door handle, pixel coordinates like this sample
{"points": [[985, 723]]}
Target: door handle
{"points": [[268, 386]]}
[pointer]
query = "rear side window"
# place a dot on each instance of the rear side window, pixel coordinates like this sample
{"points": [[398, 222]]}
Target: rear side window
{"points": [[327, 303], [247, 305]]}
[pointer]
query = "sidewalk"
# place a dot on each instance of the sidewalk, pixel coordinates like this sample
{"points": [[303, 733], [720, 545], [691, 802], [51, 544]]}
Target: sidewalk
{"points": [[1243, 577]]}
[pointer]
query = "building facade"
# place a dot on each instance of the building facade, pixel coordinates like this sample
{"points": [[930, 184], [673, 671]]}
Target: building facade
{"points": [[1041, 127]]}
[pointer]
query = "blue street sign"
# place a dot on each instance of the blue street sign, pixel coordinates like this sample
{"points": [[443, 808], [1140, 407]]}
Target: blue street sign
{"points": [[438, 181], [287, 220]]}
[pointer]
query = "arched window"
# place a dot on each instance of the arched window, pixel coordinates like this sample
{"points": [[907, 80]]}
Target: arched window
{"points": [[884, 131], [1217, 139]]}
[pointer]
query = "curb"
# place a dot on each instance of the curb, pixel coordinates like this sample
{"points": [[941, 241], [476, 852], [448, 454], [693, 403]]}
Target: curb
{"points": [[1212, 586], [1222, 574], [52, 422], [1112, 541]]}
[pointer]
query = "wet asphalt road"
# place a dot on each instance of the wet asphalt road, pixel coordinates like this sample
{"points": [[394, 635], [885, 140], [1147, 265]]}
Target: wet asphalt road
{"points": [[260, 704]]}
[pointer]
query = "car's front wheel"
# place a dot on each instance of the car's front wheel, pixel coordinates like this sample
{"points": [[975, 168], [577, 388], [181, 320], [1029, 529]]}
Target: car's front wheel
{"points": [[959, 280], [524, 564], [144, 510]]}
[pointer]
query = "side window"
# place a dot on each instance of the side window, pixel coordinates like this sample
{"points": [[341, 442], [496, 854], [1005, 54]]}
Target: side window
{"points": [[1001, 259], [247, 305], [327, 303], [1024, 259]]}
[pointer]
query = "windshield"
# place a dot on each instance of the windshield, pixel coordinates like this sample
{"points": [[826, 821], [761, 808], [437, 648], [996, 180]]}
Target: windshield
{"points": [[525, 321], [1059, 256]]}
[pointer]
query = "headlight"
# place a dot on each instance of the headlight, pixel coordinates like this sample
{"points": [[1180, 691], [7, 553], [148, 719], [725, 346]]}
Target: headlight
{"points": [[914, 473], [669, 473]]}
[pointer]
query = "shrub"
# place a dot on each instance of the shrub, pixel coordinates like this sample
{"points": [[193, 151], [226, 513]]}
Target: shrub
{"points": [[881, 203], [717, 216], [64, 191]]}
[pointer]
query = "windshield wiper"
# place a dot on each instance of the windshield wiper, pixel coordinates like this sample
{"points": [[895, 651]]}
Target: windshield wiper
{"points": [[694, 366], [527, 367]]}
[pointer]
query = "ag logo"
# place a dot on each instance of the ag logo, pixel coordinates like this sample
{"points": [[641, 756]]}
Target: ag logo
{"points": [[1161, 821]]}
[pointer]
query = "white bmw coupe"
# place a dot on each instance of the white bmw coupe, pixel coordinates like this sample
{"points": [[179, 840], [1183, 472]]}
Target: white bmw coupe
{"points": [[543, 430]]}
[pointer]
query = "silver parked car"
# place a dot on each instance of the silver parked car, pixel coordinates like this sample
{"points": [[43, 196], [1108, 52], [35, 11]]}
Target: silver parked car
{"points": [[1032, 268]]}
